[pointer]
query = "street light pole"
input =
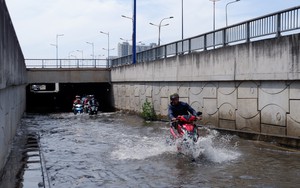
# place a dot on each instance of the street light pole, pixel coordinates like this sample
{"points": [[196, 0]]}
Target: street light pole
{"points": [[181, 19], [81, 51], [127, 17], [107, 47], [226, 9], [126, 40], [93, 52], [57, 35], [214, 20], [81, 56], [159, 26]]}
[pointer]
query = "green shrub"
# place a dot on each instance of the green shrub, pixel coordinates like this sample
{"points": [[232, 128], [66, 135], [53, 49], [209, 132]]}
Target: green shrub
{"points": [[148, 111]]}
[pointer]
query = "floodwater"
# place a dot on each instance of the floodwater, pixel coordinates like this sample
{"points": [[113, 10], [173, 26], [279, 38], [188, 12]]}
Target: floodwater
{"points": [[121, 150]]}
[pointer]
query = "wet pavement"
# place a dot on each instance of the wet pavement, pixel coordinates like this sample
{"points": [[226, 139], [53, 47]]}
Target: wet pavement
{"points": [[121, 150]]}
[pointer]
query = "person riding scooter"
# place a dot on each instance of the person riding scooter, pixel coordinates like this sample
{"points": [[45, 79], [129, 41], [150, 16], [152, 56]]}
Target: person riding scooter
{"points": [[86, 103], [93, 105], [76, 101], [177, 108]]}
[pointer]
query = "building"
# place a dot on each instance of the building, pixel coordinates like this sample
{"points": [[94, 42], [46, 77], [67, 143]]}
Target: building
{"points": [[125, 48]]}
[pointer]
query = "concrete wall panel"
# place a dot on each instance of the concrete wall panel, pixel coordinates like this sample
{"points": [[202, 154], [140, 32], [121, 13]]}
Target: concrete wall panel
{"points": [[295, 90], [248, 124], [294, 110], [227, 124], [248, 90], [293, 127], [183, 90], [247, 108], [273, 130], [276, 93], [227, 111], [274, 115]]}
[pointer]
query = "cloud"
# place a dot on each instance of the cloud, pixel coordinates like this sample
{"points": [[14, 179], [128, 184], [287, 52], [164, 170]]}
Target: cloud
{"points": [[37, 22]]}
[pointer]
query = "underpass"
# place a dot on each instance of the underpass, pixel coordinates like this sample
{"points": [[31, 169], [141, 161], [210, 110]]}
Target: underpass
{"points": [[54, 89]]}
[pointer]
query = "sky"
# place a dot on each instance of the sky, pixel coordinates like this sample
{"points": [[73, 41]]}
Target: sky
{"points": [[38, 22]]}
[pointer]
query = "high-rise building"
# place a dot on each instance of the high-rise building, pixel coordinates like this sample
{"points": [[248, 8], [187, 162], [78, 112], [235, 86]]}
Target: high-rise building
{"points": [[125, 48]]}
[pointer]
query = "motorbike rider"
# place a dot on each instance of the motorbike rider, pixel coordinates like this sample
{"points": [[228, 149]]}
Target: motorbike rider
{"points": [[86, 103], [93, 101], [76, 101], [177, 108]]}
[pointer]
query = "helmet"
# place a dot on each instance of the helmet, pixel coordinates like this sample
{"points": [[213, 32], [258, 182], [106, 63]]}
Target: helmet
{"points": [[77, 96], [174, 96]]}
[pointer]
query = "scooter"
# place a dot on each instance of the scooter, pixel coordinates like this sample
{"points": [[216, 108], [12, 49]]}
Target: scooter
{"points": [[185, 132], [78, 108], [93, 109]]}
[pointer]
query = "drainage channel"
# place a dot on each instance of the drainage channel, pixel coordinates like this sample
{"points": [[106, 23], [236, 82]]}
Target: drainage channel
{"points": [[33, 173]]}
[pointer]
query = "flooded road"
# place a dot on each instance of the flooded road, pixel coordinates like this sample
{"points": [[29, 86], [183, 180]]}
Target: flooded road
{"points": [[121, 150]]}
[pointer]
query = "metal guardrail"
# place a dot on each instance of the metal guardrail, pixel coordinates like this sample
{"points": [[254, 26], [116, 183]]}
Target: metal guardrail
{"points": [[66, 63], [269, 26]]}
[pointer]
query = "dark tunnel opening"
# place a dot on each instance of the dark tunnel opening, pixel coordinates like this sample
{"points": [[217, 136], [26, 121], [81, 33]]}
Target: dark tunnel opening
{"points": [[42, 98]]}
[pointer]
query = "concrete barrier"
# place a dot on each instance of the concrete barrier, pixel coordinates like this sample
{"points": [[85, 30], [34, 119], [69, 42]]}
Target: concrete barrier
{"points": [[13, 81]]}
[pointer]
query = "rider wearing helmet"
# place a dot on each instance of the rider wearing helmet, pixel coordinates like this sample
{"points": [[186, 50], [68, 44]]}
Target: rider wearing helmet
{"points": [[76, 101], [93, 101], [177, 108]]}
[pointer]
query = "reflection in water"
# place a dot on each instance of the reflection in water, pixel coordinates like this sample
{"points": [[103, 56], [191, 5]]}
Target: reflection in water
{"points": [[120, 150]]}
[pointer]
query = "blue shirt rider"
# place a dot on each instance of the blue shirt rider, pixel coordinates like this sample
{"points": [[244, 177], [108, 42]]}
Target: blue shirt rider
{"points": [[177, 108]]}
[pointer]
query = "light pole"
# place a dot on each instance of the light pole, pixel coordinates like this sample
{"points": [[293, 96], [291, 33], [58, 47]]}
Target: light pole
{"points": [[159, 26], [125, 39], [214, 20], [226, 9], [108, 55], [107, 46], [69, 55], [56, 45], [127, 17], [93, 52], [214, 13], [81, 51], [133, 33], [182, 20]]}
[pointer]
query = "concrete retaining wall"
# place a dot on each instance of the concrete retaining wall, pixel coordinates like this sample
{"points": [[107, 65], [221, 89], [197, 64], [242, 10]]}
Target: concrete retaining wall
{"points": [[251, 87], [13, 80]]}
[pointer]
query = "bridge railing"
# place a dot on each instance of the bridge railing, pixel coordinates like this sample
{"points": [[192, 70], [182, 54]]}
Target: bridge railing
{"points": [[269, 26], [66, 63]]}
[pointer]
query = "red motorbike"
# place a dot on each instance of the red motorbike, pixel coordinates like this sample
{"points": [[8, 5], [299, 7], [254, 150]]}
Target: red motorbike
{"points": [[185, 132]]}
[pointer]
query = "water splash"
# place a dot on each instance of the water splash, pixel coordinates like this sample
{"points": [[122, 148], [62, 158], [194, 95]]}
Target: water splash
{"points": [[142, 148], [213, 146], [219, 148]]}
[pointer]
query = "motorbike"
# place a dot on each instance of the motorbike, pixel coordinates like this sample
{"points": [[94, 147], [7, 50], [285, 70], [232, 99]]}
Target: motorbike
{"points": [[185, 133], [93, 109], [78, 108]]}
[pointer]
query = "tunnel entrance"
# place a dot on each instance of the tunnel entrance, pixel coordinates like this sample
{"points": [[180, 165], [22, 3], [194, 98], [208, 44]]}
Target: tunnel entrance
{"points": [[45, 97]]}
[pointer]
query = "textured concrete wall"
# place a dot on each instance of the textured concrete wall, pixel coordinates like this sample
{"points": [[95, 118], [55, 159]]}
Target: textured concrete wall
{"points": [[251, 87], [267, 107], [12, 83]]}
